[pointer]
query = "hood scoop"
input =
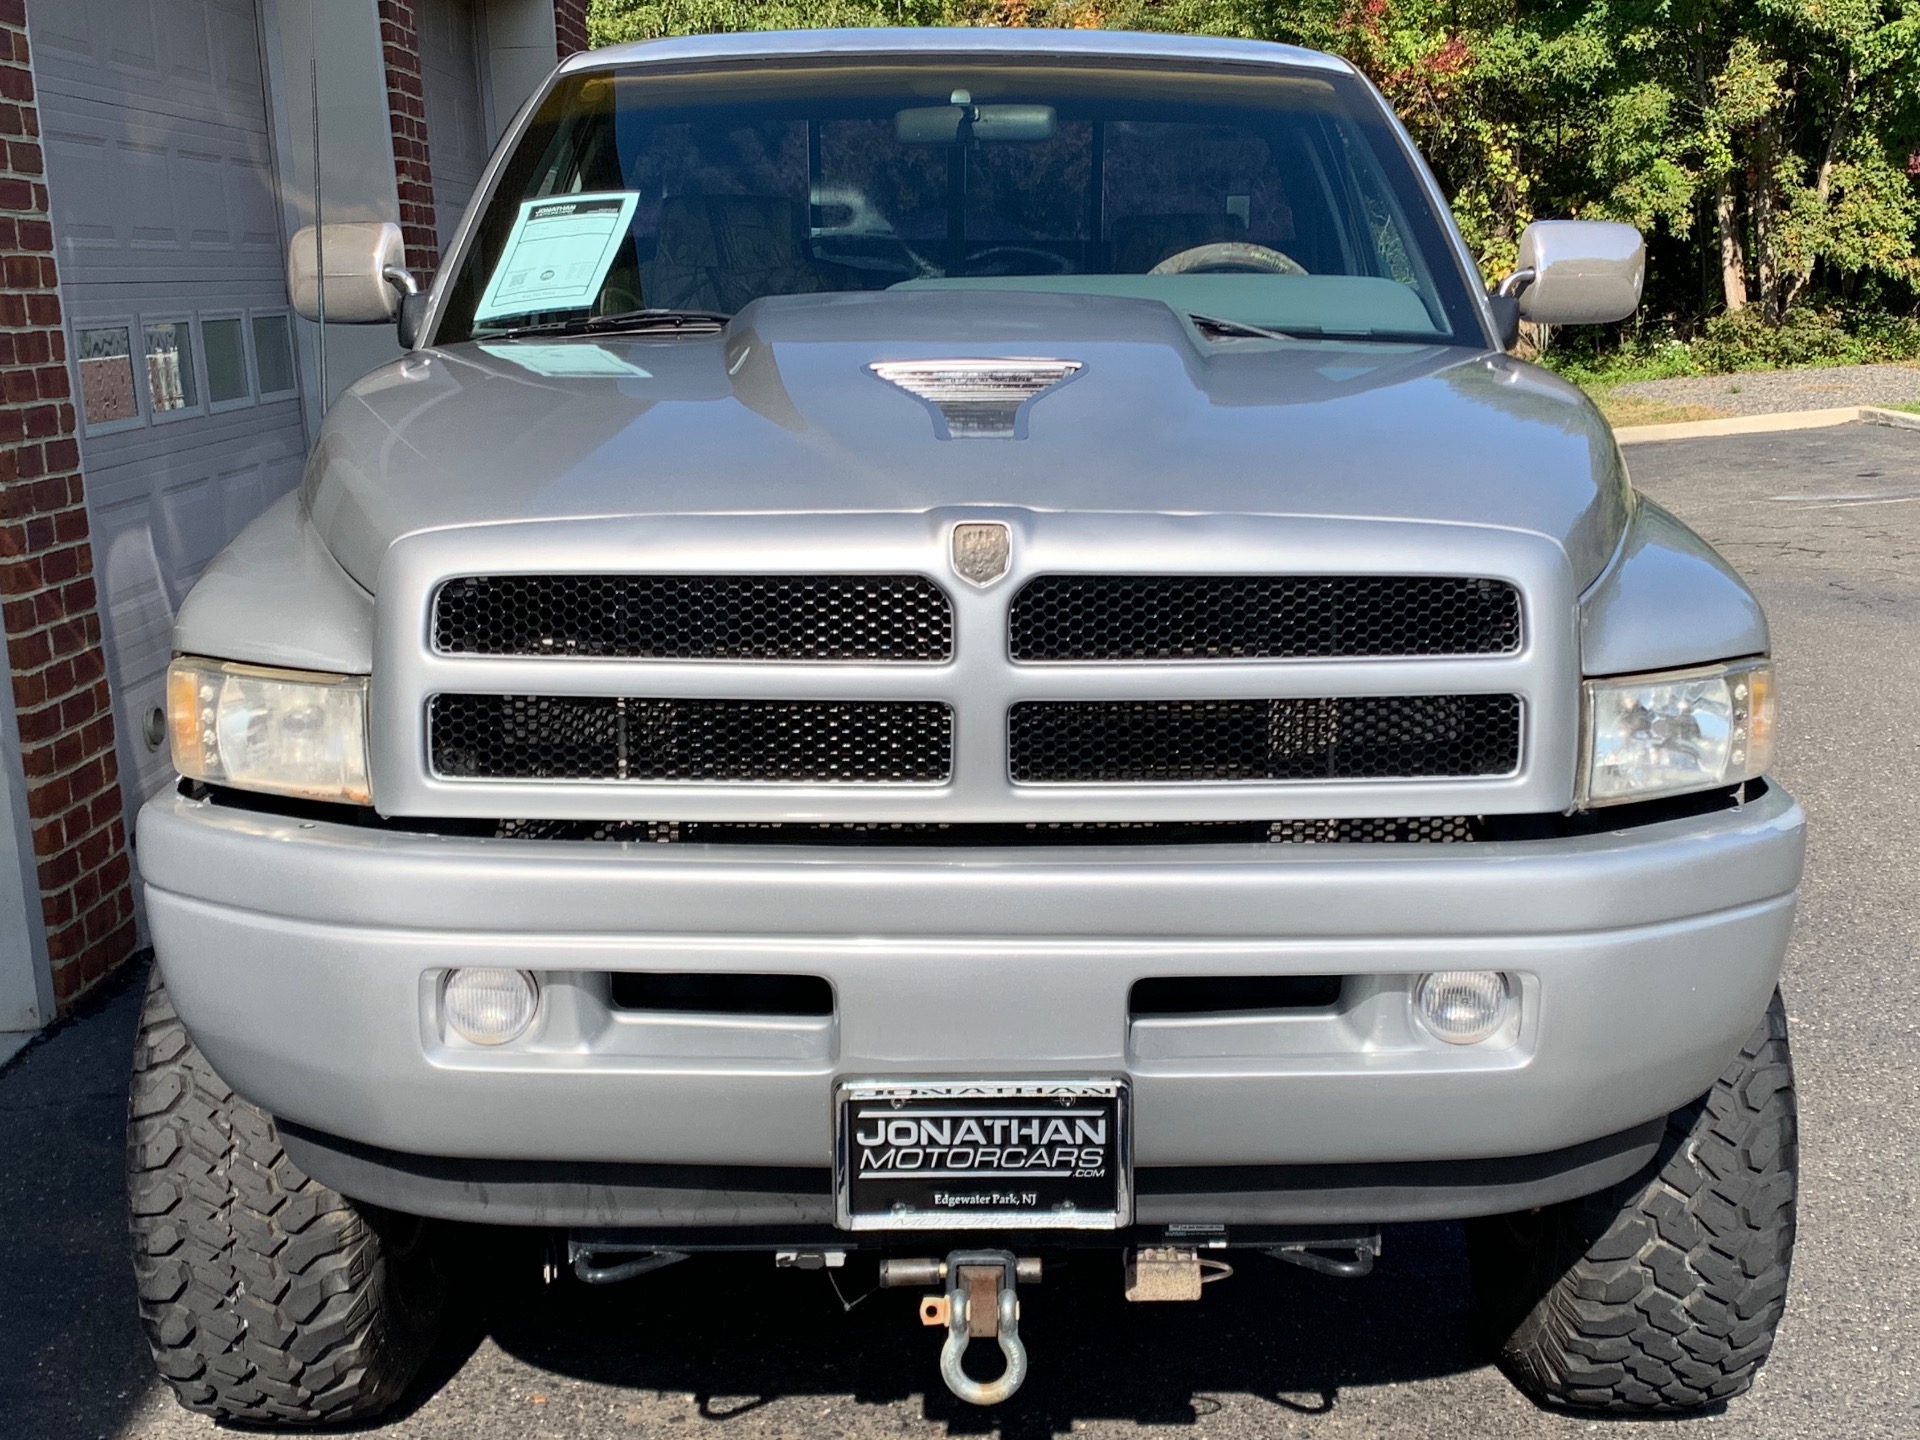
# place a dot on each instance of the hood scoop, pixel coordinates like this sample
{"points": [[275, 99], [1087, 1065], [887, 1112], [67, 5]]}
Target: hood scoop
{"points": [[977, 399]]}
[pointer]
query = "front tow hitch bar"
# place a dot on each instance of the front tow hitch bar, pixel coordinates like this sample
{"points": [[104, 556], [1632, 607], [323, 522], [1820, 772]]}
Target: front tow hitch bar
{"points": [[981, 1302], [610, 1264], [1346, 1257]]}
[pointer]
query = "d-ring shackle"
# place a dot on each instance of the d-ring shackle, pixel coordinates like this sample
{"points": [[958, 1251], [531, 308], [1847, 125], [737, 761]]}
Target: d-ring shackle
{"points": [[982, 1304]]}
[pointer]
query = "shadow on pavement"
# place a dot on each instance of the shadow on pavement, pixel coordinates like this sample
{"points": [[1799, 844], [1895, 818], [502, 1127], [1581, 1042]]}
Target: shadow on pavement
{"points": [[731, 1330], [76, 1364], [736, 1333]]}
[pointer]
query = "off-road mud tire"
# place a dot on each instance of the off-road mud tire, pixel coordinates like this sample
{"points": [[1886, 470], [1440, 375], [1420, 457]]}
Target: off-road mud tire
{"points": [[1664, 1292], [267, 1297]]}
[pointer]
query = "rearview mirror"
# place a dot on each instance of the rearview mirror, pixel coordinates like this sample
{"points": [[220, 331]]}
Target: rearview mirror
{"points": [[941, 124], [359, 256], [1578, 272]]}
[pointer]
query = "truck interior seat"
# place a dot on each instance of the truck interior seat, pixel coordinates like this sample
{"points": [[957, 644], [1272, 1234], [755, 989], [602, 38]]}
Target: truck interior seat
{"points": [[717, 252]]}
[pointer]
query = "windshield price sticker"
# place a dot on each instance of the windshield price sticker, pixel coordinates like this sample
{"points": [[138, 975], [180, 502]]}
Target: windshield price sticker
{"points": [[558, 254], [960, 1154]]}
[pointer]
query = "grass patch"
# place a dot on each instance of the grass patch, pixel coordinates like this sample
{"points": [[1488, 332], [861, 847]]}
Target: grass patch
{"points": [[1598, 374], [1912, 407], [1644, 410]]}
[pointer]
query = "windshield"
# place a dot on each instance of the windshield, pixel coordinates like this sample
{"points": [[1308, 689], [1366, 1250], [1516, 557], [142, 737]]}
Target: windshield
{"points": [[1267, 199]]}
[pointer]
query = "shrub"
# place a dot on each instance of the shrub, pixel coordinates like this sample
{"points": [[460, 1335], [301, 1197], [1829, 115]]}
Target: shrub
{"points": [[1728, 343]]}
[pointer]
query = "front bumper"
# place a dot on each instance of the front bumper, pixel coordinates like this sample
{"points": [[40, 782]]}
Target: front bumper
{"points": [[304, 958]]}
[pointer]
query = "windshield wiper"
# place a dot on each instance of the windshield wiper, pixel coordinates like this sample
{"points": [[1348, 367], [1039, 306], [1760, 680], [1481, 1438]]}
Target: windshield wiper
{"points": [[1219, 326], [1256, 332], [626, 322]]}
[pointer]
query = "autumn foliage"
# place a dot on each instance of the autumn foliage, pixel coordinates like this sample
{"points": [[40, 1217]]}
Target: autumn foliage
{"points": [[1769, 148]]}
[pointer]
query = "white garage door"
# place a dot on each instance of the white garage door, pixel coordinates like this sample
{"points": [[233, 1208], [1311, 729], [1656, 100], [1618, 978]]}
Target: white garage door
{"points": [[456, 116], [154, 117]]}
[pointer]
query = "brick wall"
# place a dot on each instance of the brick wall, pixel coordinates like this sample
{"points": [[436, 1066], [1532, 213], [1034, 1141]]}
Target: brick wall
{"points": [[46, 573], [569, 26], [407, 113]]}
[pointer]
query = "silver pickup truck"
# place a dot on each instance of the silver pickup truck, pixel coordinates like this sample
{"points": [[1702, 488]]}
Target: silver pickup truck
{"points": [[947, 647]]}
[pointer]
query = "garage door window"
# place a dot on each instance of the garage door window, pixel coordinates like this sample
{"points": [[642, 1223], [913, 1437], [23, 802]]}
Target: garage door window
{"points": [[107, 398], [273, 355], [172, 386], [226, 363]]}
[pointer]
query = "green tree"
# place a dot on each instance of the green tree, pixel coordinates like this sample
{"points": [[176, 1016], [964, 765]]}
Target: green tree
{"points": [[1762, 144]]}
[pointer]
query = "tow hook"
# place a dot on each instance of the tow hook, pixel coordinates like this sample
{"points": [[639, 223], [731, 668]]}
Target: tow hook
{"points": [[981, 1302]]}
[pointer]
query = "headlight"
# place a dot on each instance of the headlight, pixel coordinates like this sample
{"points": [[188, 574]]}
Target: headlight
{"points": [[288, 732], [1682, 730]]}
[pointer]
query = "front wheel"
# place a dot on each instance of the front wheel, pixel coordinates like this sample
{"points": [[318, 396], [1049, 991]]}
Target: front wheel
{"points": [[1664, 1292], [267, 1297]]}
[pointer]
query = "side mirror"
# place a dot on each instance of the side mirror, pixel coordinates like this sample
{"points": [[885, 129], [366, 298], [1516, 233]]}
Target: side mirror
{"points": [[1577, 272], [359, 256]]}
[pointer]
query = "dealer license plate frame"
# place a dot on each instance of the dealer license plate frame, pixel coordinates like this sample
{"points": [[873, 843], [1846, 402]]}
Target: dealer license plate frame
{"points": [[1032, 1197]]}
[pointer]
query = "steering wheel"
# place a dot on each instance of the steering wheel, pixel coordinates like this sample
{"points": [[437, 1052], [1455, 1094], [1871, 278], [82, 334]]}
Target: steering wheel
{"points": [[1057, 264], [1229, 255]]}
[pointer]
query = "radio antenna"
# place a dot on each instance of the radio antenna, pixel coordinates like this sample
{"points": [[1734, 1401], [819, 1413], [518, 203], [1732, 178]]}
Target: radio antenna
{"points": [[319, 229]]}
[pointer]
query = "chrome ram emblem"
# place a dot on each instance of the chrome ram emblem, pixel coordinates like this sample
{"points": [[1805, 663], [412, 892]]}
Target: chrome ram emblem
{"points": [[982, 551], [977, 399]]}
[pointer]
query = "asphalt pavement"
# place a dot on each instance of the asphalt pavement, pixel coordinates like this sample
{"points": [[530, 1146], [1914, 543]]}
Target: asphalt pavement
{"points": [[1827, 526]]}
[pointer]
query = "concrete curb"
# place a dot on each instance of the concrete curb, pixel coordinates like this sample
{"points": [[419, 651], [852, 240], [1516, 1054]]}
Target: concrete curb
{"points": [[1765, 424]]}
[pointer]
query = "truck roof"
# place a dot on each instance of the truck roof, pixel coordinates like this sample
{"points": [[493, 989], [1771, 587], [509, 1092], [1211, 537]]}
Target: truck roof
{"points": [[970, 42]]}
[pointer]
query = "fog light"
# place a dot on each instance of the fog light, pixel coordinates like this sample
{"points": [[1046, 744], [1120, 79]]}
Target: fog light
{"points": [[1464, 1007], [490, 1007]]}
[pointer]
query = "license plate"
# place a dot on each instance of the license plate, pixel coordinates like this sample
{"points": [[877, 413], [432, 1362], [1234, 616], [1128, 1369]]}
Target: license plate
{"points": [[983, 1155]]}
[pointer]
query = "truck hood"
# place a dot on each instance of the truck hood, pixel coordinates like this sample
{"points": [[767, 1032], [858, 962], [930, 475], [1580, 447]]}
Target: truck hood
{"points": [[784, 413]]}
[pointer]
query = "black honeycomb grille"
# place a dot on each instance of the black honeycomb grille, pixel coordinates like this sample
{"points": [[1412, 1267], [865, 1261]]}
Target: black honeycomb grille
{"points": [[695, 617], [1261, 617], [1379, 830], [575, 737], [1392, 737]]}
